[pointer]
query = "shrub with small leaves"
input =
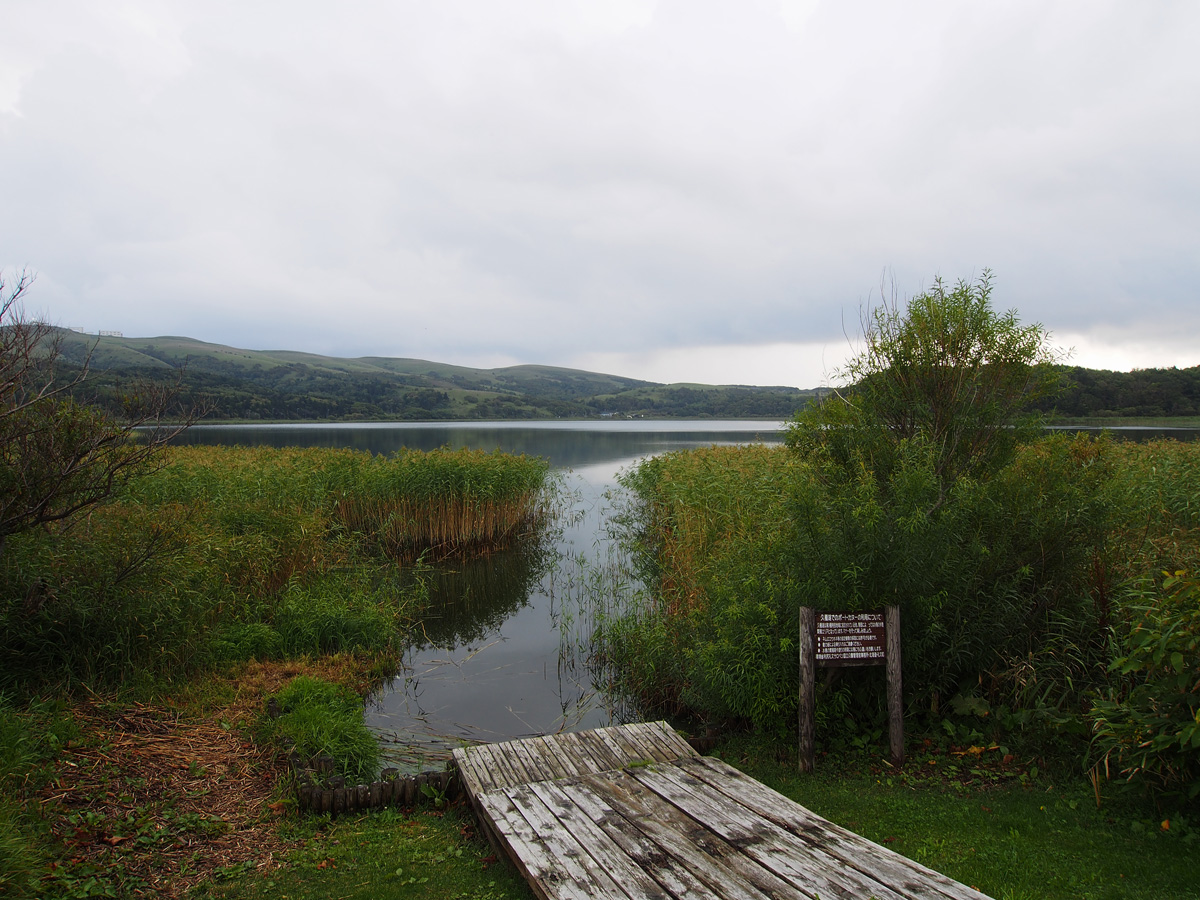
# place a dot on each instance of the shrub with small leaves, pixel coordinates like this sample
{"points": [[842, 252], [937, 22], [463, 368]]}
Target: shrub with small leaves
{"points": [[1149, 724]]}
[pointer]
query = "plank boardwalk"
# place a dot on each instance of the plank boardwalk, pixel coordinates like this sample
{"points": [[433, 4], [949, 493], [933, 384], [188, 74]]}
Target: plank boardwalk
{"points": [[632, 812]]}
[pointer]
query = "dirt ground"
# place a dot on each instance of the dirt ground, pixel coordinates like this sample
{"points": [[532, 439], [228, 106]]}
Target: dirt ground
{"points": [[158, 798]]}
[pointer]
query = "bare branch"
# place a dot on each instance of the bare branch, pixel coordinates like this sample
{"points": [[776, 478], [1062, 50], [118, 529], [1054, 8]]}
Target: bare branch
{"points": [[59, 456]]}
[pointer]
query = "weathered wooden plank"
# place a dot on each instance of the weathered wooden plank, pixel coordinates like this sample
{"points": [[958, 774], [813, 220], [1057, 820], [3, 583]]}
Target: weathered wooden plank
{"points": [[534, 762], [566, 756], [574, 858], [506, 753], [600, 751], [550, 751], [537, 862], [799, 862], [649, 856], [574, 750], [724, 868], [474, 779], [642, 743], [674, 745], [509, 772], [611, 739], [466, 770], [635, 879], [546, 751], [630, 746], [500, 775], [895, 686], [485, 776], [918, 881], [481, 764], [808, 669]]}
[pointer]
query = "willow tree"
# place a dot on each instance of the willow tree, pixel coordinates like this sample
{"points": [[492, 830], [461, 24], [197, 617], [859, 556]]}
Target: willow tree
{"points": [[945, 369]]}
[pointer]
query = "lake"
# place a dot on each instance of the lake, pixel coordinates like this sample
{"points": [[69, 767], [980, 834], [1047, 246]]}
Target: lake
{"points": [[500, 653]]}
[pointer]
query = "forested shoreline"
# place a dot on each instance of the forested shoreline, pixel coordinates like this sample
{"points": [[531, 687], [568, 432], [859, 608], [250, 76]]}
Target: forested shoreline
{"points": [[253, 386]]}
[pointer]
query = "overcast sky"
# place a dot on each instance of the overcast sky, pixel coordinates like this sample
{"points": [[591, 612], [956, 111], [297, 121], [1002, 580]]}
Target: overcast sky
{"points": [[682, 190]]}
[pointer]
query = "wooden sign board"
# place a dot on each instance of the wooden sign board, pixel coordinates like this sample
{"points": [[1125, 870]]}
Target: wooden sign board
{"points": [[851, 639]]}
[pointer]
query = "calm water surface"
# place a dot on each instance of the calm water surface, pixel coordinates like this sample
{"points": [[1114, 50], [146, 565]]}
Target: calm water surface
{"points": [[498, 653]]}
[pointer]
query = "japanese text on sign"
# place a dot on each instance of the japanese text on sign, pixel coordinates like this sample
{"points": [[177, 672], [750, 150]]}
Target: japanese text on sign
{"points": [[851, 639]]}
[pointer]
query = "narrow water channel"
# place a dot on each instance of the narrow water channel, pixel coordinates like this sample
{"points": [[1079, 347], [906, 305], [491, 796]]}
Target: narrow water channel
{"points": [[502, 650]]}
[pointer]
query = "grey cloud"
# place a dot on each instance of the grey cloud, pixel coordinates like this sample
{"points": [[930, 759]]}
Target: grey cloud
{"points": [[467, 179]]}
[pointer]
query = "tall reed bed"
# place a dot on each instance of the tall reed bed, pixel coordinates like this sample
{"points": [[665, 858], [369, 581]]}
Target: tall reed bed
{"points": [[1155, 495], [444, 501], [709, 534], [228, 553], [738, 539]]}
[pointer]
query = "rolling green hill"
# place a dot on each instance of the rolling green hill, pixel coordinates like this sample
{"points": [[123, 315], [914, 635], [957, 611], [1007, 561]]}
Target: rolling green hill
{"points": [[256, 385]]}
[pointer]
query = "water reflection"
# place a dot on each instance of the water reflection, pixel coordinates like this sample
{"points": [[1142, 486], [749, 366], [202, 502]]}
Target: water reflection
{"points": [[507, 654], [469, 599]]}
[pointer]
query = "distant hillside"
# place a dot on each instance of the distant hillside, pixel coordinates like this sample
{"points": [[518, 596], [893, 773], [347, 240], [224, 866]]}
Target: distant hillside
{"points": [[255, 385]]}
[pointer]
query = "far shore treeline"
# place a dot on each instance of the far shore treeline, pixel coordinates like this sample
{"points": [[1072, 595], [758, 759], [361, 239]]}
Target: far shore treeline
{"points": [[230, 384]]}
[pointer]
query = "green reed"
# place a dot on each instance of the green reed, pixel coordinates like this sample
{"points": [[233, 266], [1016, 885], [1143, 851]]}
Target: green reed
{"points": [[322, 718], [228, 553], [444, 501]]}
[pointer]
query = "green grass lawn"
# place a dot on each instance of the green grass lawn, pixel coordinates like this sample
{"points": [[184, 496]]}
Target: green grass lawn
{"points": [[1013, 839], [380, 856]]}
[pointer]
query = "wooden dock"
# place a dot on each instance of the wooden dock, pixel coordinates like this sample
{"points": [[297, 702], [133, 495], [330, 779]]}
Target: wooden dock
{"points": [[632, 812]]}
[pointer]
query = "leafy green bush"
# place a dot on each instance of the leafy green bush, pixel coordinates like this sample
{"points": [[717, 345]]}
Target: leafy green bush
{"points": [[992, 580], [115, 594], [1148, 726], [320, 717]]}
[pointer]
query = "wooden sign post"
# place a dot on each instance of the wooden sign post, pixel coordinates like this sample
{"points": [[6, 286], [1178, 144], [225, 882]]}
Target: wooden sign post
{"points": [[850, 639]]}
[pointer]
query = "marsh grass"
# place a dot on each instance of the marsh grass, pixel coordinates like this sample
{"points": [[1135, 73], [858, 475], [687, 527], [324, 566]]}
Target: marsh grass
{"points": [[228, 553], [445, 501], [703, 530], [318, 717]]}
